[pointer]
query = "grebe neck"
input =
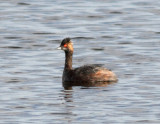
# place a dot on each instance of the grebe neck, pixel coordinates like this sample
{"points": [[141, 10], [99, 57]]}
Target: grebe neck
{"points": [[68, 60]]}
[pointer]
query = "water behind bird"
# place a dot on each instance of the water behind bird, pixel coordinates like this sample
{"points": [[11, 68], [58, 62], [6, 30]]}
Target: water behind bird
{"points": [[122, 35]]}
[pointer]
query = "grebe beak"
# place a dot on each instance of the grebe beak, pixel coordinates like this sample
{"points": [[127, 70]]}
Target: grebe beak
{"points": [[59, 48]]}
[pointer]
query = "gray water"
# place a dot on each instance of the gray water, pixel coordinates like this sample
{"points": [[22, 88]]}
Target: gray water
{"points": [[123, 35]]}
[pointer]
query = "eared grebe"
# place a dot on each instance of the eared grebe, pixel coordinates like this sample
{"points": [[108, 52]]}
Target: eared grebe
{"points": [[87, 75]]}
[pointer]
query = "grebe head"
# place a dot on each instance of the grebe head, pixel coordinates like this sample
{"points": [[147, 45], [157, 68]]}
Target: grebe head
{"points": [[66, 45]]}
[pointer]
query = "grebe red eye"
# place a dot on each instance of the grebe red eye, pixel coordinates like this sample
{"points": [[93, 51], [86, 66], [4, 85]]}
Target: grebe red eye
{"points": [[65, 45]]}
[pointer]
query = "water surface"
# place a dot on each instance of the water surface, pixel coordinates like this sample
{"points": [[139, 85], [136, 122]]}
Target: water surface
{"points": [[123, 35]]}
